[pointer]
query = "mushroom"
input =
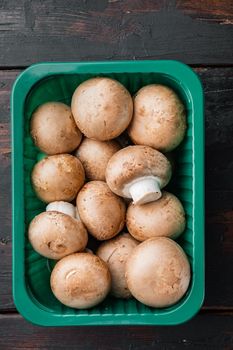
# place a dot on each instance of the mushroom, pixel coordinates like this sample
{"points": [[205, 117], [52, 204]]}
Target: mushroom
{"points": [[95, 155], [164, 217], [53, 128], [138, 172], [87, 250], [159, 118], [115, 253], [101, 211], [158, 272], [58, 178], [55, 235], [62, 207], [102, 108], [80, 280]]}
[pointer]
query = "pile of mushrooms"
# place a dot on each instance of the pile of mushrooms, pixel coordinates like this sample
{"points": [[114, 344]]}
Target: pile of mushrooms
{"points": [[94, 187]]}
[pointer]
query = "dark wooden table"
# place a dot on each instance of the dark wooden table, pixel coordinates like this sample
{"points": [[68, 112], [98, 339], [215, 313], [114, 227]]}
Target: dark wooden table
{"points": [[200, 33]]}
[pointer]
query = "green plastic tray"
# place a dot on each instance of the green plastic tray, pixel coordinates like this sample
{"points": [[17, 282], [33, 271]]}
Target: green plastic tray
{"points": [[57, 81]]}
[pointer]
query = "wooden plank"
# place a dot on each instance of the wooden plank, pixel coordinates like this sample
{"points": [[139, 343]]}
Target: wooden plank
{"points": [[218, 201], [194, 32], [205, 331], [6, 80], [218, 89], [219, 192], [209, 10]]}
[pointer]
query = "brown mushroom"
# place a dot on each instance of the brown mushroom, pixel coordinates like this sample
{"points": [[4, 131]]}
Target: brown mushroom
{"points": [[80, 280], [158, 272], [164, 217], [53, 128], [159, 118], [101, 211], [138, 172], [102, 108], [115, 253], [95, 155], [58, 178], [55, 235]]}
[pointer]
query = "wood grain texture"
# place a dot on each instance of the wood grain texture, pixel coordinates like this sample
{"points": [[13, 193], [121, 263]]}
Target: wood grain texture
{"points": [[208, 10], [204, 332], [217, 84], [194, 32], [6, 80]]}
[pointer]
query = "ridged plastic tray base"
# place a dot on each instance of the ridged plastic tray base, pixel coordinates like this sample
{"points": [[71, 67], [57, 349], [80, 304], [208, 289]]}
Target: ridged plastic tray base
{"points": [[31, 272]]}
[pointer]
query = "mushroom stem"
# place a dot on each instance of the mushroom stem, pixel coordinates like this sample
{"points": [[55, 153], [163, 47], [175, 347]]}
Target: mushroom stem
{"points": [[63, 207], [145, 190], [77, 216]]}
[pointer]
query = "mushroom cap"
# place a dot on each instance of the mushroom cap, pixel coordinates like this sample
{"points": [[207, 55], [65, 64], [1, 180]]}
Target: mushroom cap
{"points": [[162, 218], [115, 253], [95, 155], [158, 272], [102, 108], [53, 128], [159, 118], [80, 280], [101, 211], [55, 235], [58, 178], [133, 162]]}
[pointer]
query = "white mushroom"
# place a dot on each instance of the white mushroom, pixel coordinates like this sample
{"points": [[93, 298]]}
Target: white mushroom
{"points": [[138, 172], [55, 235], [102, 108], [164, 217], [159, 118], [115, 253], [158, 272], [53, 128], [80, 280], [94, 156]]}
